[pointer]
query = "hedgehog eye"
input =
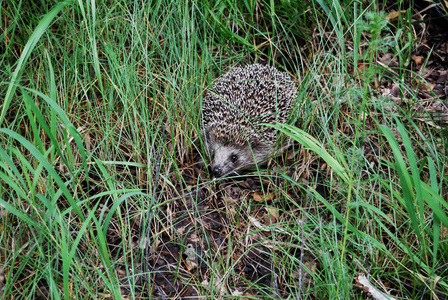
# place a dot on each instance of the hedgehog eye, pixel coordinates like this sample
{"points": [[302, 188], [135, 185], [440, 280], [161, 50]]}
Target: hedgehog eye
{"points": [[234, 158]]}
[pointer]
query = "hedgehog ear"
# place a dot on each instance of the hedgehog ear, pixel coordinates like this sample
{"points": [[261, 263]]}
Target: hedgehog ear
{"points": [[204, 134], [207, 135], [258, 147], [254, 144], [208, 140]]}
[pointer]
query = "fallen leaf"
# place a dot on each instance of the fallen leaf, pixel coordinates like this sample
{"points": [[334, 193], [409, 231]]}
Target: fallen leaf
{"points": [[394, 15], [190, 262], [429, 86], [262, 197], [363, 65], [417, 59], [273, 212], [363, 282], [237, 293], [259, 225]]}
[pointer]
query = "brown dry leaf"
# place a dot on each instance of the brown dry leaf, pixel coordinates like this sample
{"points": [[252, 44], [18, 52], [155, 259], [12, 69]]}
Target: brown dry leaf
{"points": [[429, 86], [417, 59], [273, 212], [193, 237], [394, 15], [258, 197], [363, 66], [311, 266]]}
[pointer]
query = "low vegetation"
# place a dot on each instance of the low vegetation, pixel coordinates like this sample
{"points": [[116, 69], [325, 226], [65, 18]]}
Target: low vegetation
{"points": [[104, 187]]}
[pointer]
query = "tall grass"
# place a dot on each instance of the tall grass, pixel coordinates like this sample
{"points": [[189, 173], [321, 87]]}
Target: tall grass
{"points": [[100, 155]]}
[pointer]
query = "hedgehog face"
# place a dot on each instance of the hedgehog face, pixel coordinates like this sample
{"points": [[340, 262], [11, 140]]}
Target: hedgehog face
{"points": [[229, 157]]}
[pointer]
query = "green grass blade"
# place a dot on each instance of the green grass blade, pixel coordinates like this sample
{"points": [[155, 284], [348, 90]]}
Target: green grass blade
{"points": [[313, 144], [53, 95], [405, 179], [52, 172], [412, 164], [67, 124], [21, 215], [29, 47]]}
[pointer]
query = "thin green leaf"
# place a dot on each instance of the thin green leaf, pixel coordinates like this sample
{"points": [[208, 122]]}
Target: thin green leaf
{"points": [[47, 166], [26, 52], [405, 180]]}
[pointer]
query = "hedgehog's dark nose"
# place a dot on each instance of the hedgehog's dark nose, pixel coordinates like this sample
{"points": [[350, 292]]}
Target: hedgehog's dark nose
{"points": [[217, 171]]}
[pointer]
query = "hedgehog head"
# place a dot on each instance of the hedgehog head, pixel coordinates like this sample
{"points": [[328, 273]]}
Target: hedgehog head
{"points": [[233, 154]]}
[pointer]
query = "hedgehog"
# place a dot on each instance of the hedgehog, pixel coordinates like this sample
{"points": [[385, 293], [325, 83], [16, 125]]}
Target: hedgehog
{"points": [[233, 110]]}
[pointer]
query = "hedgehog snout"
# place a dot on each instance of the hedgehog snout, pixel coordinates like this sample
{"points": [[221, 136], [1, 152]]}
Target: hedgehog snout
{"points": [[217, 171]]}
